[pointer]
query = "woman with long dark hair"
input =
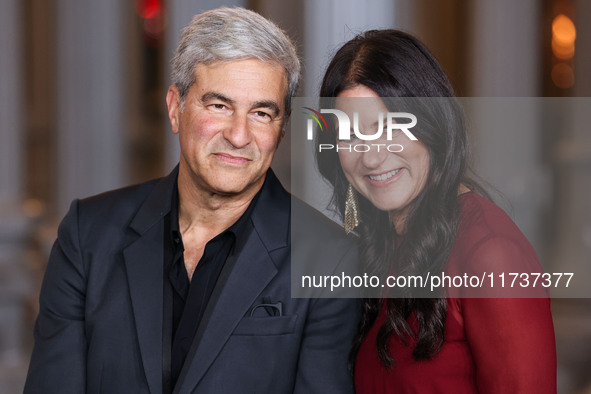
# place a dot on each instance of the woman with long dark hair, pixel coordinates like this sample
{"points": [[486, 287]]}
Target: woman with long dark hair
{"points": [[416, 210]]}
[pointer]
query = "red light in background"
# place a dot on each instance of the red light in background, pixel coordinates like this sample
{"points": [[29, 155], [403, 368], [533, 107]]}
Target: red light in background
{"points": [[153, 17], [148, 9]]}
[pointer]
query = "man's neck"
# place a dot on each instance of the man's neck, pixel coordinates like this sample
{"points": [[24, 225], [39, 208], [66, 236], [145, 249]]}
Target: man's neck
{"points": [[209, 213]]}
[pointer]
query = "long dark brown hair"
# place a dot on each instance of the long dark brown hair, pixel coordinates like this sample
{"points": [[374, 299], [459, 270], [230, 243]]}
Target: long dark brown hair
{"points": [[395, 64]]}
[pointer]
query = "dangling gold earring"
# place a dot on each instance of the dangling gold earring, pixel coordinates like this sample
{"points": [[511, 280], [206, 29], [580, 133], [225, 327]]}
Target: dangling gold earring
{"points": [[351, 210]]}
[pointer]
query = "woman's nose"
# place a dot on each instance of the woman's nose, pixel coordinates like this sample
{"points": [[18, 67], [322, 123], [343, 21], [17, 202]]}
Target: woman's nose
{"points": [[374, 156]]}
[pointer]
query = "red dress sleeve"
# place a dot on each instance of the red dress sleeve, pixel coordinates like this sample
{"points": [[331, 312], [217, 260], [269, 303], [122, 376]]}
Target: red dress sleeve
{"points": [[511, 339], [501, 344]]}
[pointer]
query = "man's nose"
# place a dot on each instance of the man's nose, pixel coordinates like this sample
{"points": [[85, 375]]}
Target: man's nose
{"points": [[237, 131]]}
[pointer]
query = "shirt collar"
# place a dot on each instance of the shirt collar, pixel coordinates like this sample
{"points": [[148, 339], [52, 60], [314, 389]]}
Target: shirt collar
{"points": [[237, 229]]}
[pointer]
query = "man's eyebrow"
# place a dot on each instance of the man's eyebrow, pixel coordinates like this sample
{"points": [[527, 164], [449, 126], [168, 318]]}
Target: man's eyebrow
{"points": [[216, 96], [272, 105]]}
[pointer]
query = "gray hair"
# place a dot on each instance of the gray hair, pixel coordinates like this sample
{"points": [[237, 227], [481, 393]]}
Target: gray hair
{"points": [[227, 34]]}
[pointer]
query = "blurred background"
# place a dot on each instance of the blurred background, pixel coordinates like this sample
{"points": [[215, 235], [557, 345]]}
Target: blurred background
{"points": [[82, 110]]}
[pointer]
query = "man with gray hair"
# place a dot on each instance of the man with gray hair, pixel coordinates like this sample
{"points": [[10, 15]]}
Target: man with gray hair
{"points": [[182, 284]]}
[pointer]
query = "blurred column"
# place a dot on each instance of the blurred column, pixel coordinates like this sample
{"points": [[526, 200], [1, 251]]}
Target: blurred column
{"points": [[91, 98], [442, 26], [505, 48], [14, 225], [571, 148], [572, 244], [327, 25], [11, 127], [506, 63], [330, 23], [573, 158], [180, 13], [583, 48]]}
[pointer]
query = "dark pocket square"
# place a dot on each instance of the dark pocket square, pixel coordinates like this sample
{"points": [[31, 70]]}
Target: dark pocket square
{"points": [[271, 325]]}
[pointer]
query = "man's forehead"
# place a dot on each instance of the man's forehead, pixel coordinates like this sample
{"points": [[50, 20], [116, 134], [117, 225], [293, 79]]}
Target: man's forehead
{"points": [[240, 64], [242, 78]]}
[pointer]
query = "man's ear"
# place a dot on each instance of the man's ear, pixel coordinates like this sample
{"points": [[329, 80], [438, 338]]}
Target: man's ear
{"points": [[173, 102], [283, 128]]}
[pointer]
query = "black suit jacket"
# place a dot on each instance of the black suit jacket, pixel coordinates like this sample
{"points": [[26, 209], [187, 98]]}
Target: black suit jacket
{"points": [[99, 327]]}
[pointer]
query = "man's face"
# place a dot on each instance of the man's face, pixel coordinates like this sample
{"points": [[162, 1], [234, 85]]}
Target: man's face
{"points": [[230, 126]]}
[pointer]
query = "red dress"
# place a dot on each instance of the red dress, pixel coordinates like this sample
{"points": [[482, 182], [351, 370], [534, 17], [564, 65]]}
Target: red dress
{"points": [[491, 345]]}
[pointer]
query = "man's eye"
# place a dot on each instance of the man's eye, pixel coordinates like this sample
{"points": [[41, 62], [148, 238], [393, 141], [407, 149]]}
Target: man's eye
{"points": [[263, 114], [217, 107]]}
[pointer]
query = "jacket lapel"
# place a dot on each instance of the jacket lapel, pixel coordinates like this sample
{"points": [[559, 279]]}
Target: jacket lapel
{"points": [[247, 277], [144, 265], [230, 308]]}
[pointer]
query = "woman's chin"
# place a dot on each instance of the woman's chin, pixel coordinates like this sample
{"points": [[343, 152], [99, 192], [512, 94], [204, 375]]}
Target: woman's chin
{"points": [[391, 206]]}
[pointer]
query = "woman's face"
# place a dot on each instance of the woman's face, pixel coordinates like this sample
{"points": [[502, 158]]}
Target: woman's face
{"points": [[390, 178]]}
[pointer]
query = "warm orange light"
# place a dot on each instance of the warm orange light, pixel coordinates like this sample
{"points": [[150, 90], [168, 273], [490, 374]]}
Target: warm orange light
{"points": [[564, 35], [564, 52], [563, 76], [563, 30]]}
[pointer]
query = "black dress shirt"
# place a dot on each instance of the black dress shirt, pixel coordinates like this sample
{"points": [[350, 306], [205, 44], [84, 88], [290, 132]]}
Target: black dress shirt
{"points": [[185, 300]]}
